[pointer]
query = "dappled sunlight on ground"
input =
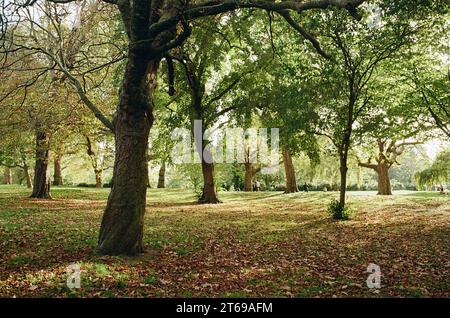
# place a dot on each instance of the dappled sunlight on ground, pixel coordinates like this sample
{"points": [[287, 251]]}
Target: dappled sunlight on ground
{"points": [[253, 244]]}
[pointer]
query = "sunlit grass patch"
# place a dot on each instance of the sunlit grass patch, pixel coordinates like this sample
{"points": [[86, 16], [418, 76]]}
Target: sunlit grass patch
{"points": [[252, 245]]}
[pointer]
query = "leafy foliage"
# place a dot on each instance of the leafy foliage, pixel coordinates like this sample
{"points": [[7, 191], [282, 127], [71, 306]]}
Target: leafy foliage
{"points": [[438, 173], [339, 212]]}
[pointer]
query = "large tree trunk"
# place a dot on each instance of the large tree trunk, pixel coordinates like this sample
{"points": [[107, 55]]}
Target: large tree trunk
{"points": [[57, 174], [162, 176], [291, 183], [122, 225], [41, 185], [248, 177], [7, 176], [209, 190], [98, 179], [384, 183]]}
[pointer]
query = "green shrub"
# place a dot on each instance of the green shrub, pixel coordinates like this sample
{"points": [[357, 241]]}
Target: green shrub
{"points": [[85, 185], [108, 184], [338, 211]]}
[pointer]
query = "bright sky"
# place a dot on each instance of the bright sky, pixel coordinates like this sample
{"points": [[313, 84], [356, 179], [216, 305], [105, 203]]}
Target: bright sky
{"points": [[434, 146]]}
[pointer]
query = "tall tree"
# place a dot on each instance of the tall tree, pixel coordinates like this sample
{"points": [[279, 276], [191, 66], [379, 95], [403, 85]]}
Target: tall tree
{"points": [[151, 28], [347, 87], [388, 151], [215, 60], [384, 134], [437, 173]]}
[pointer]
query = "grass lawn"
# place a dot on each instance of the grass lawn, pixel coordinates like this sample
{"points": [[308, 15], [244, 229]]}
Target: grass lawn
{"points": [[265, 244]]}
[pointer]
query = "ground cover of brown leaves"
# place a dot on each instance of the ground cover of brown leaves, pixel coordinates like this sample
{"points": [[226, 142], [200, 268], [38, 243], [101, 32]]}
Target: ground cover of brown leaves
{"points": [[265, 244]]}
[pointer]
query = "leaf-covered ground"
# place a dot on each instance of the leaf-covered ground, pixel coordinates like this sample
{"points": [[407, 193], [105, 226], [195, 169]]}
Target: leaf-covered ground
{"points": [[265, 244]]}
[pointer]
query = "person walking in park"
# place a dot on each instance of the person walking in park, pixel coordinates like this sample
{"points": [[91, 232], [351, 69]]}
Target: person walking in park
{"points": [[305, 187]]}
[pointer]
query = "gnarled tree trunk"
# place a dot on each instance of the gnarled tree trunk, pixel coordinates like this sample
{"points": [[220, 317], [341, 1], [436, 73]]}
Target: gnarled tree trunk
{"points": [[57, 171], [384, 183], [41, 184], [387, 156], [122, 225], [291, 183], [162, 176], [7, 175]]}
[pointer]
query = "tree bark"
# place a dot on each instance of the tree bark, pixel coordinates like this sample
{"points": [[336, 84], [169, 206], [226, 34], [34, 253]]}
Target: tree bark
{"points": [[344, 148], [248, 177], [209, 190], [209, 194], [7, 176], [122, 225], [162, 176], [57, 171], [41, 184], [343, 184], [343, 158], [384, 183], [98, 179], [291, 183]]}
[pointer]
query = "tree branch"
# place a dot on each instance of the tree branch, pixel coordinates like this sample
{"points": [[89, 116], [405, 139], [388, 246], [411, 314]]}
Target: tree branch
{"points": [[305, 34]]}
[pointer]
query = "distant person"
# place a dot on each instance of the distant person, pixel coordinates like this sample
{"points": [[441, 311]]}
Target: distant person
{"points": [[257, 185], [305, 187], [325, 189]]}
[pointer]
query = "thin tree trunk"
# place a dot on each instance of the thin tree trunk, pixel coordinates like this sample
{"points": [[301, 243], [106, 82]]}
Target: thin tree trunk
{"points": [[209, 194], [343, 185], [98, 179], [291, 183], [122, 225], [343, 149], [27, 176], [384, 183], [41, 185], [7, 176], [248, 177], [148, 181], [162, 176], [57, 174]]}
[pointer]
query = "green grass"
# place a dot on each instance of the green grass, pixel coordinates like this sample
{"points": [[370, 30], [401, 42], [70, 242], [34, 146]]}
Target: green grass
{"points": [[253, 245], [150, 279]]}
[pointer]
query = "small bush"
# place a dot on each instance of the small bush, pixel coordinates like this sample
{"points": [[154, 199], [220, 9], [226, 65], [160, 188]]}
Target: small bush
{"points": [[108, 184], [339, 212], [198, 192]]}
